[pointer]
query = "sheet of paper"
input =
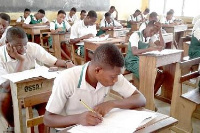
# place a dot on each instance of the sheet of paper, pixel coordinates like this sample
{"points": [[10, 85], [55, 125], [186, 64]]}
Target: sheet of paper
{"points": [[40, 26], [116, 121], [97, 39], [163, 52], [40, 71]]}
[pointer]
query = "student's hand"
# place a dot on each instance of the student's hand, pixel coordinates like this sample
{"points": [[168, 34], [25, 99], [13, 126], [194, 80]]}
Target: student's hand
{"points": [[158, 24], [88, 36], [59, 29], [89, 119], [39, 24], [12, 51], [70, 64], [159, 48], [104, 107]]}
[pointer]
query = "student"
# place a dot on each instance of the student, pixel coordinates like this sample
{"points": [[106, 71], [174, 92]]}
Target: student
{"points": [[26, 14], [136, 17], [141, 42], [71, 16], [194, 48], [57, 26], [18, 55], [152, 16], [112, 14], [168, 21], [83, 14], [4, 26], [83, 30], [196, 26], [36, 19], [145, 13], [195, 19], [91, 83], [108, 24]]}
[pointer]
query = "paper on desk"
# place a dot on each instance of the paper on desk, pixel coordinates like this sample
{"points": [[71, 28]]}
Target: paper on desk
{"points": [[40, 26], [116, 121], [97, 39], [163, 52], [40, 71]]}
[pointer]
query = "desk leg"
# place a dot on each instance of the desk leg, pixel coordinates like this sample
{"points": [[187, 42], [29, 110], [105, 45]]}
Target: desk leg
{"points": [[33, 37], [17, 110], [56, 46], [147, 72]]}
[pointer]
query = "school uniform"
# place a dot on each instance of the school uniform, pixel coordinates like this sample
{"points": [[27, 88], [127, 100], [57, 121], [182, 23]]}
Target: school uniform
{"points": [[136, 40], [195, 19], [69, 18], [196, 26], [165, 21], [77, 20], [3, 37], [143, 25], [80, 29], [112, 16], [133, 19], [32, 20], [54, 25], [21, 19], [33, 52], [194, 48], [71, 86]]}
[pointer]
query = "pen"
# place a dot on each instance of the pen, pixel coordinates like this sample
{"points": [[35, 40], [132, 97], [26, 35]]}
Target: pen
{"points": [[89, 108]]}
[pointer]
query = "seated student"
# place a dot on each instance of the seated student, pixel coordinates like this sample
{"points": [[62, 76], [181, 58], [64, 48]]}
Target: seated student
{"points": [[195, 19], [57, 26], [168, 21], [141, 42], [194, 48], [83, 30], [136, 17], [83, 14], [26, 14], [91, 83], [18, 55], [71, 16], [196, 26], [36, 19], [4, 26], [145, 13], [152, 16], [108, 24], [113, 13]]}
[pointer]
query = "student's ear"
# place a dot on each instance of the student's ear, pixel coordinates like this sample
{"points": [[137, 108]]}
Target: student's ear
{"points": [[98, 70]]}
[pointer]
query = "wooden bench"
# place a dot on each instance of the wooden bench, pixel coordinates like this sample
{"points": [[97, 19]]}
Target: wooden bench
{"points": [[183, 105]]}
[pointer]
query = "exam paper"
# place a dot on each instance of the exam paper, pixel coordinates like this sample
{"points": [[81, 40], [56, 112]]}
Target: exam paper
{"points": [[97, 39], [116, 121], [163, 52]]}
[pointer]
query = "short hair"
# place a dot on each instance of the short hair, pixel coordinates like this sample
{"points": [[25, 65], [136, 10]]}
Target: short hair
{"points": [[5, 16], [170, 13], [153, 14], [73, 9], [147, 10], [41, 11], [108, 54], [112, 7], [61, 12], [172, 10], [137, 11], [92, 14], [83, 11], [107, 14], [27, 10], [15, 32]]}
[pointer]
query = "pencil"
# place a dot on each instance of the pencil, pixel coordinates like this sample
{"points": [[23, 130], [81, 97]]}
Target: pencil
{"points": [[88, 107]]}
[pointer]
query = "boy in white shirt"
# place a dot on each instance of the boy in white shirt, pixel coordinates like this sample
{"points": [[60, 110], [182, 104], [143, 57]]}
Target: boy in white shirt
{"points": [[26, 14], [136, 17], [71, 16], [168, 21]]}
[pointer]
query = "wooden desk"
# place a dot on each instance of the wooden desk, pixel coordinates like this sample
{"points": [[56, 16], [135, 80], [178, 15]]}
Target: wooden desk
{"points": [[23, 89], [91, 46], [13, 22], [168, 39], [159, 124], [186, 46], [118, 32], [148, 70], [56, 42], [35, 30]]}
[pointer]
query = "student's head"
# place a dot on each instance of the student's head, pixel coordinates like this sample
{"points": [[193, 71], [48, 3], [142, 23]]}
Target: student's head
{"points": [[171, 10], [72, 11], [16, 37], [107, 17], [27, 12], [61, 16], [91, 18], [146, 11], [83, 14], [151, 29], [40, 14], [4, 22], [137, 12], [107, 64], [169, 15], [112, 9], [153, 16]]}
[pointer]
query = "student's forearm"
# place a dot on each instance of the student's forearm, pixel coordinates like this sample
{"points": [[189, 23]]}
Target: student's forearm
{"points": [[27, 25], [140, 51], [59, 121], [76, 40], [162, 43]]}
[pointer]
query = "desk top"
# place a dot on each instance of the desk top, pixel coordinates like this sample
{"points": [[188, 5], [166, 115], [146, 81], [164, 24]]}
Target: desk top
{"points": [[164, 52], [109, 40]]}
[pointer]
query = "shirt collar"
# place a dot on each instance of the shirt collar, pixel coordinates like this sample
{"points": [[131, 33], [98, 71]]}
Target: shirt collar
{"points": [[6, 56]]}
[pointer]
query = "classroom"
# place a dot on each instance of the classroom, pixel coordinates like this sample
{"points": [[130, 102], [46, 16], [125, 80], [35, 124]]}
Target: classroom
{"points": [[99, 66]]}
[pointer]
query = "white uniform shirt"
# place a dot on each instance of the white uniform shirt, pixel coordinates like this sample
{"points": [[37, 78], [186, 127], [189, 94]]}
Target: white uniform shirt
{"points": [[28, 19], [114, 23], [112, 16], [165, 21], [72, 19], [143, 25], [197, 33], [196, 25], [132, 18], [79, 29], [66, 93], [77, 20], [134, 39], [195, 19], [3, 37], [33, 52], [20, 19], [53, 25]]}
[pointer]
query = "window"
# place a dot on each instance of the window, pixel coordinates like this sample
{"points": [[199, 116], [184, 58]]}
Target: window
{"points": [[191, 8]]}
